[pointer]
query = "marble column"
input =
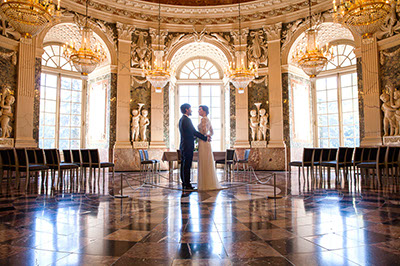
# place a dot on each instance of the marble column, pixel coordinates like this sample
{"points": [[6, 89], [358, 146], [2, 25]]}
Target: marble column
{"points": [[242, 105], [275, 85], [123, 86], [157, 101], [25, 94], [371, 88]]}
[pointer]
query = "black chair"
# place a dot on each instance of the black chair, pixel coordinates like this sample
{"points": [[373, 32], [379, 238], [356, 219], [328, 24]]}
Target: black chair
{"points": [[244, 161], [6, 164], [157, 164], [56, 166], [357, 158], [27, 166], [85, 163], [67, 156], [228, 162], [338, 163], [77, 159], [378, 165], [306, 162], [96, 164], [145, 164], [316, 161]]}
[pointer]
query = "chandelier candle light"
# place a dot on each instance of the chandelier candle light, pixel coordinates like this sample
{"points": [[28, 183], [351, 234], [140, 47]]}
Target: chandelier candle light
{"points": [[85, 59], [29, 17], [159, 74], [240, 76], [313, 58], [362, 16]]}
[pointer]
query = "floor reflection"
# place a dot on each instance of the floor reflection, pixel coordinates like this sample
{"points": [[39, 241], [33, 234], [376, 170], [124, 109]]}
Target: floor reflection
{"points": [[339, 224]]}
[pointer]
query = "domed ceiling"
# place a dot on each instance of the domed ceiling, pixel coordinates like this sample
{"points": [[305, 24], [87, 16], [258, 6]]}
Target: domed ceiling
{"points": [[198, 2]]}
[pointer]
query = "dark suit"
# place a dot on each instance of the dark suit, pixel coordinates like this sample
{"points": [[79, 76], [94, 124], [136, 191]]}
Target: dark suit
{"points": [[188, 134]]}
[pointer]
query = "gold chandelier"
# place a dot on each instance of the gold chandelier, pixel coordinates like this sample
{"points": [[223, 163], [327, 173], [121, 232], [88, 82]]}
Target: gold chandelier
{"points": [[362, 16], [85, 59], [312, 59], [159, 74], [29, 17], [240, 75]]}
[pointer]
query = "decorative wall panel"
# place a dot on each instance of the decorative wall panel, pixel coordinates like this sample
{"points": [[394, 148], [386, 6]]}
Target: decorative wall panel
{"points": [[8, 77], [141, 93], [258, 93], [36, 101]]}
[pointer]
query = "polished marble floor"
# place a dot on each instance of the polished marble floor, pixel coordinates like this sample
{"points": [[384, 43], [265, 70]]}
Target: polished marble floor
{"points": [[159, 224]]}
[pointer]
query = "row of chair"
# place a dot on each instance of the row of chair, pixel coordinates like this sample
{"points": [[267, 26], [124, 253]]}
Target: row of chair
{"points": [[358, 160], [148, 166], [29, 161]]}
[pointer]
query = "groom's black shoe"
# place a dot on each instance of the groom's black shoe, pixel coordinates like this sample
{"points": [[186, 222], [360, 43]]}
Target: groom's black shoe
{"points": [[188, 187]]}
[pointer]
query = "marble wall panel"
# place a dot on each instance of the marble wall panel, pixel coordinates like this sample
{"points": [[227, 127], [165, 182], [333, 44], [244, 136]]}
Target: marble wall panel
{"points": [[36, 100], [267, 159], [390, 68], [232, 111], [141, 93], [113, 110], [166, 115], [8, 76], [360, 99], [258, 93]]}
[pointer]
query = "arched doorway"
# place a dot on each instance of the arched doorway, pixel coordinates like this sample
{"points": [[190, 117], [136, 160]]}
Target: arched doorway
{"points": [[74, 113], [199, 81]]}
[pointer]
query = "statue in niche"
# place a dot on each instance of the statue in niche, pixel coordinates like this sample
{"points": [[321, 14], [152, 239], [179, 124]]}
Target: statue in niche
{"points": [[253, 124], [135, 124], [262, 130], [389, 120], [6, 113], [143, 123]]}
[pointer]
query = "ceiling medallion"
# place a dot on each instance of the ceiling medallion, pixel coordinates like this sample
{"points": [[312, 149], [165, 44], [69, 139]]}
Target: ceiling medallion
{"points": [[85, 59], [362, 16], [312, 59], [29, 17], [241, 75]]}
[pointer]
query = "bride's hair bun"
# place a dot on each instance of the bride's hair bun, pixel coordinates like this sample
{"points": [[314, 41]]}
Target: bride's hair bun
{"points": [[205, 109]]}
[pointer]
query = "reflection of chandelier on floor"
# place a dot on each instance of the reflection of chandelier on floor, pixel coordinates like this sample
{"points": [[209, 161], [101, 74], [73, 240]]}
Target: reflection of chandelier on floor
{"points": [[29, 17], [311, 59], [362, 16], [159, 74], [85, 59], [240, 75]]}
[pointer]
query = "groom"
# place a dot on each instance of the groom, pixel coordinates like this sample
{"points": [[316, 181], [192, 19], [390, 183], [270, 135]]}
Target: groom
{"points": [[188, 134]]}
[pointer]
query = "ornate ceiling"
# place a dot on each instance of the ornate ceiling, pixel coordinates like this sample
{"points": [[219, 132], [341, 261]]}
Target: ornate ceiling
{"points": [[144, 14], [200, 49], [328, 32], [67, 32], [198, 2]]}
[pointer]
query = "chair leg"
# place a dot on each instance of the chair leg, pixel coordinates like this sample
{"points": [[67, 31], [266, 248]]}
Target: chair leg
{"points": [[27, 180]]}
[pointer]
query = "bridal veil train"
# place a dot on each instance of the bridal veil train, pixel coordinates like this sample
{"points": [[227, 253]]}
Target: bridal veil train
{"points": [[207, 177]]}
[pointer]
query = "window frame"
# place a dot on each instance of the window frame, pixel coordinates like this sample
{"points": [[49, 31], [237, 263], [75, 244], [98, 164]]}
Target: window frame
{"points": [[60, 73], [338, 72], [200, 82]]}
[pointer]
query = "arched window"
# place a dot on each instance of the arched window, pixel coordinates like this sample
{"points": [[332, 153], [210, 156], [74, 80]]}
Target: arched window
{"points": [[200, 83], [337, 114], [61, 93]]}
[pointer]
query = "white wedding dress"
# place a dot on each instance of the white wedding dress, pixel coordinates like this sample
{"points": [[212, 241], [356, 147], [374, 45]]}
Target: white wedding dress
{"points": [[207, 177]]}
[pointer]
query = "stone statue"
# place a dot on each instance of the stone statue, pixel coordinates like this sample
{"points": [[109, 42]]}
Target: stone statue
{"points": [[6, 113], [143, 123], [262, 130], [253, 124], [389, 120], [135, 125]]}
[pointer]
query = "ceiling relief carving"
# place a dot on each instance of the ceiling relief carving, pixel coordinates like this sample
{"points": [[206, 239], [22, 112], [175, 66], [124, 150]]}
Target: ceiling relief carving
{"points": [[257, 48], [7, 30], [147, 12], [391, 25], [141, 53], [198, 2]]}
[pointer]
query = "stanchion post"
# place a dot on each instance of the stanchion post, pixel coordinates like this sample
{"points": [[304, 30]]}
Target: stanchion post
{"points": [[275, 196], [122, 190]]}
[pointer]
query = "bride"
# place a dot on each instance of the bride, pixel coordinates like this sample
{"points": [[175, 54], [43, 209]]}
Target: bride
{"points": [[207, 177]]}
